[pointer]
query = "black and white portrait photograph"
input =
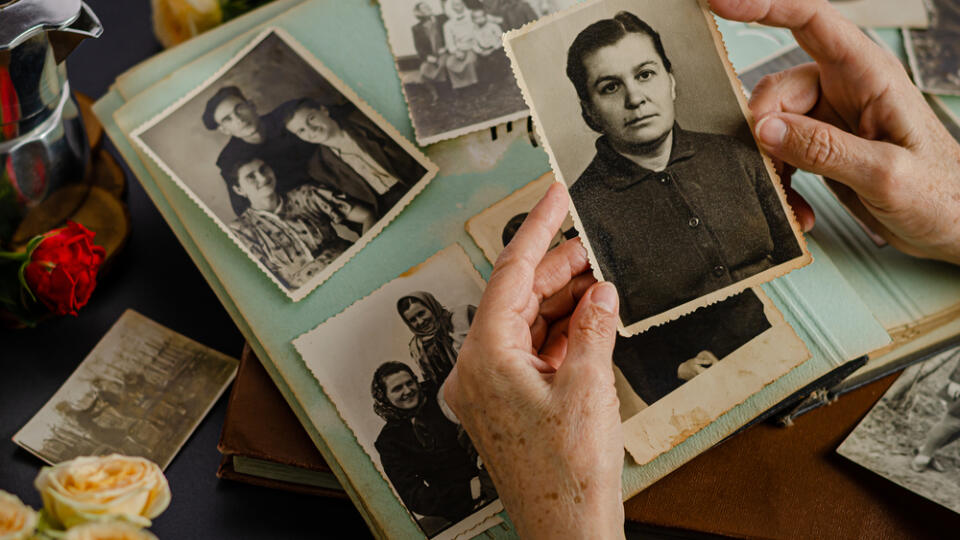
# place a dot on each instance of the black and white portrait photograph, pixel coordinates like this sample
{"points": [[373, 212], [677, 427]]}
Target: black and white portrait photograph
{"points": [[934, 52], [288, 161], [140, 392], [382, 362], [449, 55], [909, 437], [646, 125]]}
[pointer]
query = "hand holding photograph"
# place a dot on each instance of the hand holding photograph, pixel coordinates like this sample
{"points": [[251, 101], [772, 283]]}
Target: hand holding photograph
{"points": [[301, 188], [645, 123], [675, 378], [382, 361]]}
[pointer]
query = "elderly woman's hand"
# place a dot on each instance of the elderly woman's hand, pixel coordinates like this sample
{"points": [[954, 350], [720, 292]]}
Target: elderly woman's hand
{"points": [[855, 117], [534, 384]]}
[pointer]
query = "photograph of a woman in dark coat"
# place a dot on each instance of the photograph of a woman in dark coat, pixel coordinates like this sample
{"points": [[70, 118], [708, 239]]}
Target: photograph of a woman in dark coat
{"points": [[428, 459], [353, 155]]}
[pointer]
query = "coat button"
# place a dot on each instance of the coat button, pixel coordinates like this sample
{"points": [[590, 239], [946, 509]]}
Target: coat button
{"points": [[694, 222], [664, 178], [719, 270]]}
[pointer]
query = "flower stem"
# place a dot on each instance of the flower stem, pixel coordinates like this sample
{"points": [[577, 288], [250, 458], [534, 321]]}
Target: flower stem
{"points": [[13, 256]]}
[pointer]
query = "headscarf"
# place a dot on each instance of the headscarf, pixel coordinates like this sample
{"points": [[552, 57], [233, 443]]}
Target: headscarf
{"points": [[391, 413], [434, 351]]}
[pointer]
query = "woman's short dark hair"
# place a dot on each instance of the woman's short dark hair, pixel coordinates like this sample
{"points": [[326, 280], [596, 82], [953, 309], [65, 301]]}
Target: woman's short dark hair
{"points": [[230, 167], [604, 33], [208, 111]]}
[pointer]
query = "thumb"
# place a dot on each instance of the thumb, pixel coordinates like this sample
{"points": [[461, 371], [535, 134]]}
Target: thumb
{"points": [[868, 167], [592, 333]]}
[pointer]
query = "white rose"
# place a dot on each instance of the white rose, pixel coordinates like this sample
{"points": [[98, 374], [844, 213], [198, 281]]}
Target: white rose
{"points": [[103, 488], [17, 520], [110, 530]]}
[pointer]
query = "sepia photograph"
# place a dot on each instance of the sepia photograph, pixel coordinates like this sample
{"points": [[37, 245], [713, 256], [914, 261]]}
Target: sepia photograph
{"points": [[493, 228], [140, 392], [646, 124], [934, 53], [449, 55], [745, 333], [388, 391], [884, 13], [909, 437], [288, 161]]}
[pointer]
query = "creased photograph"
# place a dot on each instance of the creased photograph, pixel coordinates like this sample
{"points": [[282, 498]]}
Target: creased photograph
{"points": [[141, 392], [646, 124], [382, 362], [909, 437], [449, 56], [288, 161]]}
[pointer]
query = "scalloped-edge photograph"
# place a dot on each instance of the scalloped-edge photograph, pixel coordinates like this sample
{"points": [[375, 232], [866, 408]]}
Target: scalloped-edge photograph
{"points": [[449, 56], [382, 362], [646, 124], [289, 163]]}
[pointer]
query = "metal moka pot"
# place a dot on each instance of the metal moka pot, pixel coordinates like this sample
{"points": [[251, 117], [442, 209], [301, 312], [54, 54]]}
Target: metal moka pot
{"points": [[43, 146]]}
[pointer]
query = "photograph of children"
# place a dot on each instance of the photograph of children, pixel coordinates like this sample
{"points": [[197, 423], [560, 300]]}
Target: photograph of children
{"points": [[909, 437], [934, 53], [287, 161], [449, 55], [646, 125], [141, 392], [382, 362]]}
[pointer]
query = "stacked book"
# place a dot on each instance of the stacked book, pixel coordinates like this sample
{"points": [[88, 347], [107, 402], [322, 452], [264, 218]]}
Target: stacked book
{"points": [[313, 326]]}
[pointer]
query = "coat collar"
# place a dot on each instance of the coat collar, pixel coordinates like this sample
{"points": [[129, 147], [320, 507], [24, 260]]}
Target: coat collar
{"points": [[619, 173]]}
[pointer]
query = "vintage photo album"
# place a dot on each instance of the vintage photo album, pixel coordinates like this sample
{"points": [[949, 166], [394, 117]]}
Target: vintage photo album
{"points": [[404, 295]]}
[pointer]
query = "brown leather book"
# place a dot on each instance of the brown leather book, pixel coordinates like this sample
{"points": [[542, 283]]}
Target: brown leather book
{"points": [[262, 441], [785, 483]]}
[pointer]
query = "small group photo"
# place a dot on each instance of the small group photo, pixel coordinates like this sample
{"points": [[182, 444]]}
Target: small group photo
{"points": [[647, 126], [287, 160], [388, 392], [450, 59]]}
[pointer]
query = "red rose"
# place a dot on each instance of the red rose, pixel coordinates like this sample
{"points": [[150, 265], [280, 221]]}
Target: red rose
{"points": [[62, 270]]}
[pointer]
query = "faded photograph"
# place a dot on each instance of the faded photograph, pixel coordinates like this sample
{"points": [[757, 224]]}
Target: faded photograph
{"points": [[884, 13], [287, 160], [140, 392], [910, 435], [388, 392], [934, 53], [449, 54], [643, 119], [493, 228]]}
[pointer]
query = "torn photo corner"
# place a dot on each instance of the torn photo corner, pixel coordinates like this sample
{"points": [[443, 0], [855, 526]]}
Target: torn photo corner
{"points": [[645, 122]]}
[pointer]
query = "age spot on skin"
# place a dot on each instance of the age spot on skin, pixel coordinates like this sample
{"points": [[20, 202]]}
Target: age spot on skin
{"points": [[522, 441], [577, 499], [554, 495]]}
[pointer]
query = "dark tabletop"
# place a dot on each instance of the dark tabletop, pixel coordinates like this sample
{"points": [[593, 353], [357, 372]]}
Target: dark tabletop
{"points": [[154, 276]]}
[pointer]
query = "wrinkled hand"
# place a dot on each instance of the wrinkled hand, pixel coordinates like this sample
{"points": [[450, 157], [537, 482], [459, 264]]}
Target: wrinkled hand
{"points": [[534, 385], [855, 117]]}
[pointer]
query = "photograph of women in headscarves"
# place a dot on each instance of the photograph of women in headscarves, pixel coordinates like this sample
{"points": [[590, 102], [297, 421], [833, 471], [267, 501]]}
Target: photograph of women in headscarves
{"points": [[429, 460], [449, 55], [438, 333]]}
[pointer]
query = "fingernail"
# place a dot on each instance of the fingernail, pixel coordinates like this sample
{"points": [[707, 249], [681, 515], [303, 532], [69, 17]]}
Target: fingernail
{"points": [[605, 296], [771, 131]]}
